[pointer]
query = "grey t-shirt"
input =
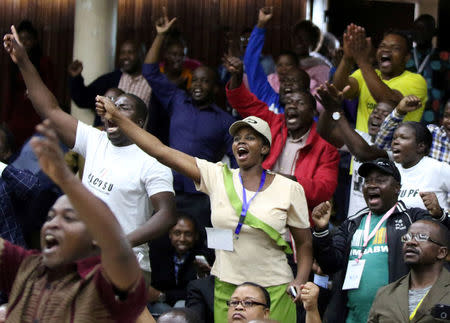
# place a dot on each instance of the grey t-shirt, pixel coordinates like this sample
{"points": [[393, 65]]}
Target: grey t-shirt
{"points": [[415, 296]]}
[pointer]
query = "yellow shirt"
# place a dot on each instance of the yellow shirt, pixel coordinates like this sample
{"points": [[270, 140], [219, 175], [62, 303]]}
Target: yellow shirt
{"points": [[407, 84], [256, 257]]}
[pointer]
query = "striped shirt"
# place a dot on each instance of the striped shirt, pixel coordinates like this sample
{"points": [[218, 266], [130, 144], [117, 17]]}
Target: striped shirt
{"points": [[440, 147], [81, 294], [136, 85]]}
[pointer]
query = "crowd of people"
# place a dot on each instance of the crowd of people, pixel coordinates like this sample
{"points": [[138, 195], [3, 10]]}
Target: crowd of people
{"points": [[175, 207]]}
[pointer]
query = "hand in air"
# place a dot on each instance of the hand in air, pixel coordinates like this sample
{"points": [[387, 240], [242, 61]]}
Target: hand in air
{"points": [[408, 103], [233, 64], [330, 97], [431, 203], [264, 16], [14, 47], [75, 68], [49, 154], [163, 24], [321, 215]]}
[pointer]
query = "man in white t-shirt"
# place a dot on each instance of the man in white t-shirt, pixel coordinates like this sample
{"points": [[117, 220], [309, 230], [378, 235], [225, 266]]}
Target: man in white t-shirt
{"points": [[133, 184]]}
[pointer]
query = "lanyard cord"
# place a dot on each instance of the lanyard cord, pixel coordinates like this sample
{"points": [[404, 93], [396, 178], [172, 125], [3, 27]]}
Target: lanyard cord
{"points": [[417, 307], [424, 62], [245, 204], [368, 236]]}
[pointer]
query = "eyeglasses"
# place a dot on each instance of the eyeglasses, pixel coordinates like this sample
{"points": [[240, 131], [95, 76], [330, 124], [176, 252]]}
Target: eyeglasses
{"points": [[244, 303], [420, 237]]}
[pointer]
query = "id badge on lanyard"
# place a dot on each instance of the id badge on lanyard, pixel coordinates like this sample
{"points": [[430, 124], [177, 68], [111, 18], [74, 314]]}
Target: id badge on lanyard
{"points": [[355, 267]]}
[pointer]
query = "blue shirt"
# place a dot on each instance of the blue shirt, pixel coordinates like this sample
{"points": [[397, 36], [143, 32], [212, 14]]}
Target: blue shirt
{"points": [[201, 133], [257, 79], [16, 187]]}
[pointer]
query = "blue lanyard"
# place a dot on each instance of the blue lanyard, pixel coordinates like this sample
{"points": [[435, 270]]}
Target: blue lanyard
{"points": [[245, 204]]}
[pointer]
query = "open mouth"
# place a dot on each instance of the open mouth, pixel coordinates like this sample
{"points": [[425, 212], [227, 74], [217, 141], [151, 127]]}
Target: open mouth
{"points": [[396, 153], [291, 116], [50, 243], [197, 93], [110, 126], [287, 90], [385, 60], [125, 63], [373, 198], [242, 153]]}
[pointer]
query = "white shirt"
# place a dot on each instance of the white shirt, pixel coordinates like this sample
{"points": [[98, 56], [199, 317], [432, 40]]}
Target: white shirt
{"points": [[428, 175], [124, 178]]}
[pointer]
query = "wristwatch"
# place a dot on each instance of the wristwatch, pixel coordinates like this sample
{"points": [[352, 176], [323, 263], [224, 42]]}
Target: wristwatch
{"points": [[336, 115], [161, 297]]}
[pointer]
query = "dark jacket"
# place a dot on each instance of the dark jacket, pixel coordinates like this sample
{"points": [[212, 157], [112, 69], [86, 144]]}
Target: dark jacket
{"points": [[200, 298], [84, 96], [332, 251], [163, 273]]}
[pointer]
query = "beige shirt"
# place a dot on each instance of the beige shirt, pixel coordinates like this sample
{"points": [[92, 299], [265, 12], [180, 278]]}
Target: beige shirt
{"points": [[136, 85], [256, 257], [287, 160]]}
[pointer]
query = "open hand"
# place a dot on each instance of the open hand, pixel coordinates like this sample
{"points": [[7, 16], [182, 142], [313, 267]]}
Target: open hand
{"points": [[49, 154], [408, 103], [75, 68], [265, 14], [14, 47], [233, 64], [163, 24], [360, 45], [431, 203], [321, 215], [330, 97]]}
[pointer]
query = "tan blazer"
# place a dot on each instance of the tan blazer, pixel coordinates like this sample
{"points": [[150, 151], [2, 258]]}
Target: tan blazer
{"points": [[391, 302]]}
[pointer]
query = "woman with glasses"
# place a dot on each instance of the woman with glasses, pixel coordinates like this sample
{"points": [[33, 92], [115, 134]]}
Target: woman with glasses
{"points": [[251, 211], [249, 301]]}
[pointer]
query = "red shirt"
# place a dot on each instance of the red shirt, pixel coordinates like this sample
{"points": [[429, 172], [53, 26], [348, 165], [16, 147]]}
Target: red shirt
{"points": [[317, 163]]}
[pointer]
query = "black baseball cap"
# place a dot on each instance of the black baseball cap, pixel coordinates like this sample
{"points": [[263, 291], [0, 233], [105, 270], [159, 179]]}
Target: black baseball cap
{"points": [[384, 165]]}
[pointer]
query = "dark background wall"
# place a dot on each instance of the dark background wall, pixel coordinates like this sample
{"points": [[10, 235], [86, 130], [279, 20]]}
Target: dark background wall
{"points": [[54, 21], [202, 22]]}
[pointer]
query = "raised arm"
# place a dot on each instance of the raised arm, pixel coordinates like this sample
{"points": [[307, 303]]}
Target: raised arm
{"points": [[43, 100], [163, 26], [330, 98], [239, 97], [118, 260], [177, 160], [362, 48], [386, 133], [342, 78], [163, 89], [257, 78], [84, 96]]}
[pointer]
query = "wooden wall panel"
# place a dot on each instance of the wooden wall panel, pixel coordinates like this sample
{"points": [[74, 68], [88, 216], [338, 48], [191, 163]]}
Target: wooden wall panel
{"points": [[202, 22], [54, 20]]}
